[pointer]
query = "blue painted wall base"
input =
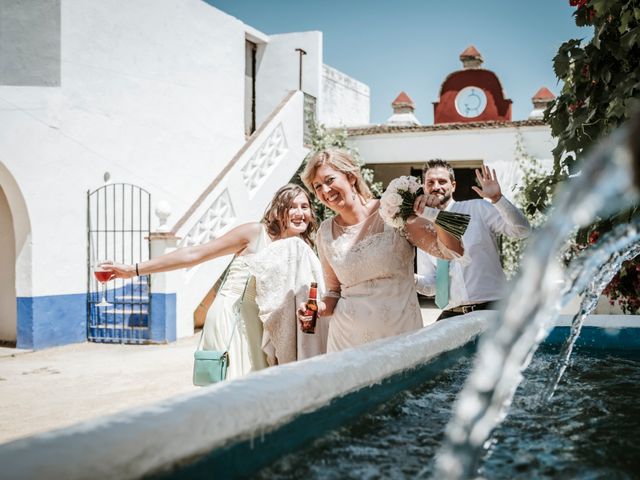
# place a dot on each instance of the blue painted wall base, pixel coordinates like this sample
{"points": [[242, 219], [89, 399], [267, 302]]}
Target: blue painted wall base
{"points": [[163, 317], [51, 320]]}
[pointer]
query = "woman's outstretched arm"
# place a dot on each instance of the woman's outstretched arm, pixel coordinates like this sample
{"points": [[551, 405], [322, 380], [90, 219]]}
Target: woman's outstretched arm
{"points": [[234, 241]]}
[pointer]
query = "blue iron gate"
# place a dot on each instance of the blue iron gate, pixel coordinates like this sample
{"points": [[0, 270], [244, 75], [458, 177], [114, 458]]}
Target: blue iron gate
{"points": [[118, 227]]}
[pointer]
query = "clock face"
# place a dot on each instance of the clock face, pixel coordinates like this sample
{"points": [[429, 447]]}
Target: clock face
{"points": [[471, 102]]}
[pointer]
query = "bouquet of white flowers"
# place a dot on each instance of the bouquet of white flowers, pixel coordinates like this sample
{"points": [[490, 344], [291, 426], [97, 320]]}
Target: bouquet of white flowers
{"points": [[396, 206]]}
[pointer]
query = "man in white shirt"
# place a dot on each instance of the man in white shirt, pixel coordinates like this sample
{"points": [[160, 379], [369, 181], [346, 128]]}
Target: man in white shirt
{"points": [[474, 284]]}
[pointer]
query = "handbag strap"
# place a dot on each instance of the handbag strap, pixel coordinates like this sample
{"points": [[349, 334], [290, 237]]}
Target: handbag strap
{"points": [[237, 309]]}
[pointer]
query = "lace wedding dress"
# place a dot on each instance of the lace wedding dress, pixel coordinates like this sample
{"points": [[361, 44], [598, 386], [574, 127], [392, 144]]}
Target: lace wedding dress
{"points": [[371, 266], [284, 271]]}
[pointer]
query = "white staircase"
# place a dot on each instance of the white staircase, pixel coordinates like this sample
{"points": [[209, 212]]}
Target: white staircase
{"points": [[239, 194]]}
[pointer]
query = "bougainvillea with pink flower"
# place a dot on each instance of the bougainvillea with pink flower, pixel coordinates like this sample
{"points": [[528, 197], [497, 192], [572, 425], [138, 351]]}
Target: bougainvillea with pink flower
{"points": [[624, 287], [600, 79]]}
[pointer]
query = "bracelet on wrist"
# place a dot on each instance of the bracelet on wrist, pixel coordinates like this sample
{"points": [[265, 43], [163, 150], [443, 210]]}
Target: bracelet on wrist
{"points": [[137, 272], [332, 294], [430, 213]]}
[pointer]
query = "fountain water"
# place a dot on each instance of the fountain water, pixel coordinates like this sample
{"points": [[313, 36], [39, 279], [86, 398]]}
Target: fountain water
{"points": [[605, 185], [589, 302]]}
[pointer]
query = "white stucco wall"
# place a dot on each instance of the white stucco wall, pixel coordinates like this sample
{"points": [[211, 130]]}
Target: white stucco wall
{"points": [[278, 67], [151, 91], [494, 146], [345, 100]]}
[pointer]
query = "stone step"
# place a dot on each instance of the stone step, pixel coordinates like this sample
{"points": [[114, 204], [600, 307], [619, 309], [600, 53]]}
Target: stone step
{"points": [[132, 298], [123, 310], [119, 326]]}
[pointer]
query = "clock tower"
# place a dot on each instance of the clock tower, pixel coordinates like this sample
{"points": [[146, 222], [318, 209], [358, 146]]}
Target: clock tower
{"points": [[472, 94]]}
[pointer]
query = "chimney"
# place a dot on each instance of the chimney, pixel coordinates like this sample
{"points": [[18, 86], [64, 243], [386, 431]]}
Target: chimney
{"points": [[540, 101], [471, 58], [403, 108], [403, 104]]}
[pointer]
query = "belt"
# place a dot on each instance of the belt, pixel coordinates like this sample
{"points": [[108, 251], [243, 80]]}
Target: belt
{"points": [[469, 308]]}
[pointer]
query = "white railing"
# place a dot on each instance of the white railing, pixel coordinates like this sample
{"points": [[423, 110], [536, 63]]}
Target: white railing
{"points": [[239, 194]]}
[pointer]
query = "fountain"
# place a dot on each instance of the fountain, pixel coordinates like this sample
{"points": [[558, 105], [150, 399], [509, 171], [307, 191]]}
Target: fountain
{"points": [[606, 185], [235, 428], [592, 293]]}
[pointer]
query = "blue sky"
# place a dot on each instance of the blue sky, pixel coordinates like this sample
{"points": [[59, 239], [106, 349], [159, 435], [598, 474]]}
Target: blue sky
{"points": [[412, 45]]}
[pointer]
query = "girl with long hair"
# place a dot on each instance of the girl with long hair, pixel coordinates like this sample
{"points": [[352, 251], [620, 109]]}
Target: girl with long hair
{"points": [[288, 216]]}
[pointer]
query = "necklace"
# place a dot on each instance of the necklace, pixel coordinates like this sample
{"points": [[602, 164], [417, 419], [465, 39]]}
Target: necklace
{"points": [[343, 227]]}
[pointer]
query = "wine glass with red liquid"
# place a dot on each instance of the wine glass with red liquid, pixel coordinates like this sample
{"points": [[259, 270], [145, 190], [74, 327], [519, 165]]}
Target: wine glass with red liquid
{"points": [[103, 276]]}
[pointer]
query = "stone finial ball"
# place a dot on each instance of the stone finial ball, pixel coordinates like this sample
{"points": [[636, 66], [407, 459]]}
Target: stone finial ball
{"points": [[163, 211]]}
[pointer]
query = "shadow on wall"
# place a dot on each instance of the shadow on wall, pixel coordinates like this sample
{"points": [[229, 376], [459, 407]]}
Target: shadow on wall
{"points": [[30, 47]]}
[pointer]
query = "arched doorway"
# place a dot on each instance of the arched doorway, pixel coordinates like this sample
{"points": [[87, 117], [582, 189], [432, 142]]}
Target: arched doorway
{"points": [[8, 301], [15, 254]]}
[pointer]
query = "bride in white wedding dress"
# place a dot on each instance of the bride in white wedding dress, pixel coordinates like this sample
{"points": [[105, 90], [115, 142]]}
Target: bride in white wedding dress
{"points": [[367, 265]]}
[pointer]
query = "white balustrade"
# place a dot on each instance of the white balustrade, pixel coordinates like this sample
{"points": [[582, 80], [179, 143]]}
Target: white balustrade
{"points": [[262, 163], [216, 218]]}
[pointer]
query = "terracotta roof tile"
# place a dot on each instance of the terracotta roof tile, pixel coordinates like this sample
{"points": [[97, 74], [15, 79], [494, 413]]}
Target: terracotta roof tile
{"points": [[381, 129], [470, 51], [402, 98], [543, 94]]}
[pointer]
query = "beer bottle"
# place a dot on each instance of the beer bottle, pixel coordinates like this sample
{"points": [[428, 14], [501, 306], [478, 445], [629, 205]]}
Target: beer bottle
{"points": [[308, 323]]}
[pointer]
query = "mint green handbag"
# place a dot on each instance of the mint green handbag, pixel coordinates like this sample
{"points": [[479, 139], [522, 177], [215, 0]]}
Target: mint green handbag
{"points": [[210, 366]]}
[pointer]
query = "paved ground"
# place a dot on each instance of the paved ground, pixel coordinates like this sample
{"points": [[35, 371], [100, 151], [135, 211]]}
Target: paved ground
{"points": [[58, 387]]}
